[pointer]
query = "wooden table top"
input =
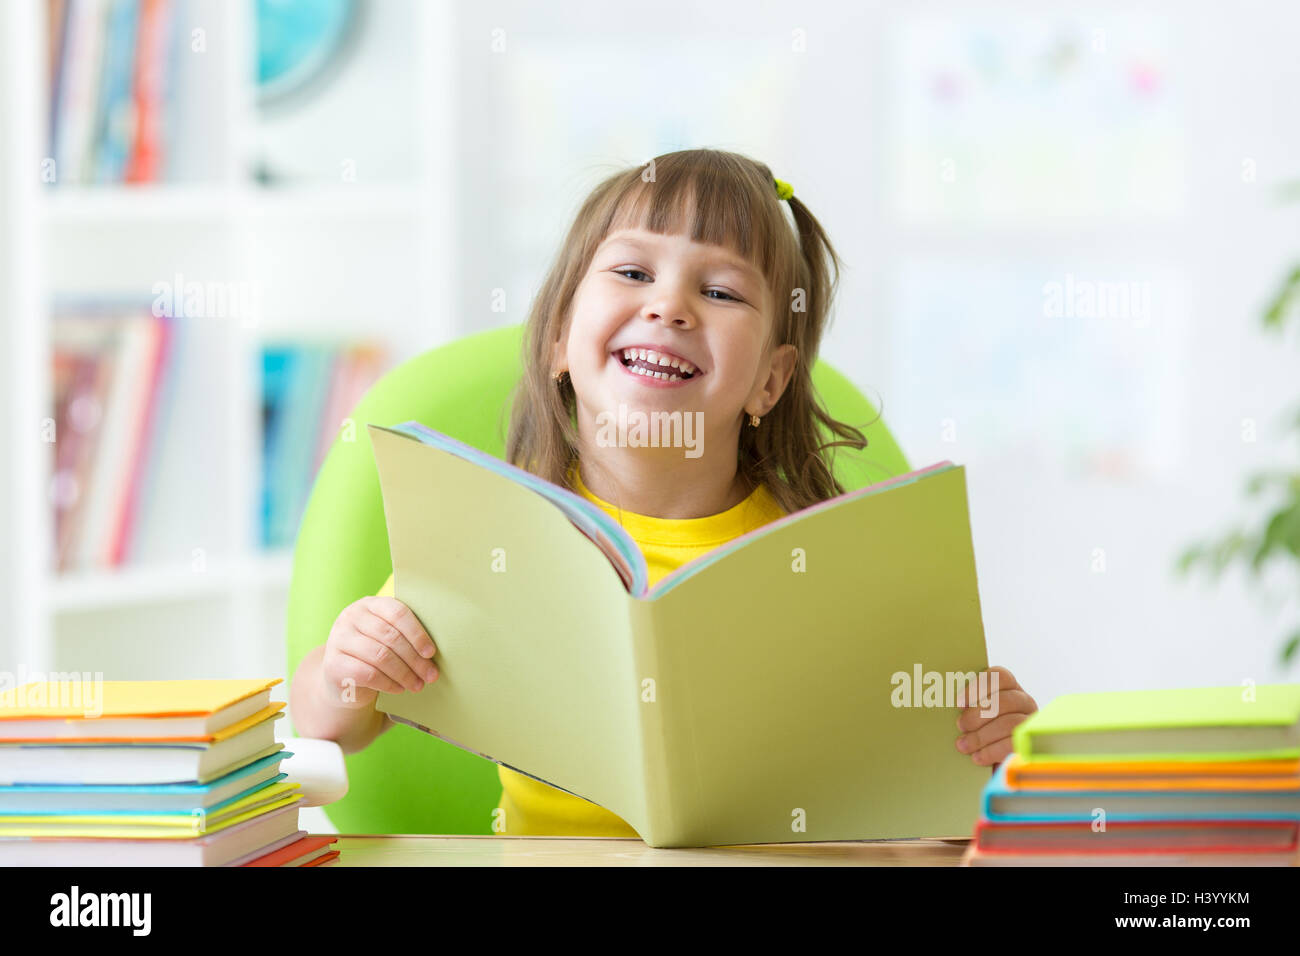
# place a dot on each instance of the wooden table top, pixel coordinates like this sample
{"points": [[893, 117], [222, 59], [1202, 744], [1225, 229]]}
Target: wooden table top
{"points": [[429, 850]]}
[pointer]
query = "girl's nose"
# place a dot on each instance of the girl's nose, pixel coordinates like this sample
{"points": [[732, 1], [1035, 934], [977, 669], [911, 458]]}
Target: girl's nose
{"points": [[672, 309]]}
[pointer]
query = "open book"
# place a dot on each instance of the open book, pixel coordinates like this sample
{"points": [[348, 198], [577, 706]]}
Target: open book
{"points": [[781, 688]]}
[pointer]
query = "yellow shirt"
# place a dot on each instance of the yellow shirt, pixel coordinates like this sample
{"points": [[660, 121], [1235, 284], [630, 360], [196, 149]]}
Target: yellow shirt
{"points": [[531, 808]]}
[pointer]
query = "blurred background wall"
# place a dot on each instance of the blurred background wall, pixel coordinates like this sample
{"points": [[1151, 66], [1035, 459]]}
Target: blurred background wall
{"points": [[1061, 223]]}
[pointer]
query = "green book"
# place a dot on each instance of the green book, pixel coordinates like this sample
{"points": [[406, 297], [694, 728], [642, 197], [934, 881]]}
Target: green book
{"points": [[797, 684], [1184, 723]]}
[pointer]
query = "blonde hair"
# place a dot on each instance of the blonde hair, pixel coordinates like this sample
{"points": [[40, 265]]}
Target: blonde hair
{"points": [[731, 201]]}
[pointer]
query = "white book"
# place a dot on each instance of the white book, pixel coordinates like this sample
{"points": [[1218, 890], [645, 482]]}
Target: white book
{"points": [[254, 837], [137, 763], [79, 93], [116, 445]]}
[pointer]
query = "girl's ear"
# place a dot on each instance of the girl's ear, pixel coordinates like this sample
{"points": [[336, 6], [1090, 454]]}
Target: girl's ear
{"points": [[557, 357], [779, 373], [784, 360]]}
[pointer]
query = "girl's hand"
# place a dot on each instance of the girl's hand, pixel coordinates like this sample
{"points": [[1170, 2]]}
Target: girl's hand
{"points": [[987, 725], [376, 644]]}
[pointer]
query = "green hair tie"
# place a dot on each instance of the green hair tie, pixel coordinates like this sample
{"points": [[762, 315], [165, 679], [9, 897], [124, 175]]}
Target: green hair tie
{"points": [[783, 190]]}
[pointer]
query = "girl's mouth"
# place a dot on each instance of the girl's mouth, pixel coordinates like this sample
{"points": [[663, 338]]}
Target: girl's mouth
{"points": [[659, 372]]}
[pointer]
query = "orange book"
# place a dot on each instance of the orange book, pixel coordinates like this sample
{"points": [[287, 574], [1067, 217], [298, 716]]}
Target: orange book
{"points": [[1152, 774]]}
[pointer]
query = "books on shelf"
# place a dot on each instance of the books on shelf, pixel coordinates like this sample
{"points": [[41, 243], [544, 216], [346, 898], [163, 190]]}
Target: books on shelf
{"points": [[109, 73], [113, 378], [109, 370], [147, 773], [1181, 777], [307, 390], [751, 696]]}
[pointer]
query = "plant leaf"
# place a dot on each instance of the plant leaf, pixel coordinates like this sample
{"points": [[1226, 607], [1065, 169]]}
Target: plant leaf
{"points": [[1291, 646], [1281, 303], [1282, 531], [1190, 556]]}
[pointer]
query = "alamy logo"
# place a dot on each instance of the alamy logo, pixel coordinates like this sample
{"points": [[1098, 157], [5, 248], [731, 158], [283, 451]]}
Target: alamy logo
{"points": [[102, 909], [639, 429], [946, 689], [1089, 299], [78, 690]]}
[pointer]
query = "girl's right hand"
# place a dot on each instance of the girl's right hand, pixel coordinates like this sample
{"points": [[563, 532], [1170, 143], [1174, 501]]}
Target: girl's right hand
{"points": [[376, 644]]}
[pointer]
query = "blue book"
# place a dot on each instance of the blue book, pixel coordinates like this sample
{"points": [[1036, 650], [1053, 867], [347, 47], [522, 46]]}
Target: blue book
{"points": [[277, 373], [29, 799], [296, 468], [1005, 804], [114, 124]]}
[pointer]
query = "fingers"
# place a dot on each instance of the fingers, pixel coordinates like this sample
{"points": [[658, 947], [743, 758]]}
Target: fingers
{"points": [[992, 681], [994, 753], [1006, 679], [388, 651], [403, 618], [992, 742], [344, 669], [1006, 702]]}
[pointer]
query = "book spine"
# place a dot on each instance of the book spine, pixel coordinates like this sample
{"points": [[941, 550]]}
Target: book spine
{"points": [[149, 73], [145, 439], [659, 746]]}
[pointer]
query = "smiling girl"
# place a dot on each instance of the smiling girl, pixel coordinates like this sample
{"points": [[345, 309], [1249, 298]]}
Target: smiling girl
{"points": [[680, 288]]}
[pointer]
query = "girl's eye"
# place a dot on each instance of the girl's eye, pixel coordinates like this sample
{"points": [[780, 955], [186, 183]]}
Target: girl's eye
{"points": [[633, 273]]}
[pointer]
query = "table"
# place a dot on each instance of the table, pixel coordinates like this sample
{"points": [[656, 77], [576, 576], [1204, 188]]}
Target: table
{"points": [[429, 850]]}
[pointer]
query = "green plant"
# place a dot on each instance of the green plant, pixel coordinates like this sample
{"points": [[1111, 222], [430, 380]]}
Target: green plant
{"points": [[1278, 534]]}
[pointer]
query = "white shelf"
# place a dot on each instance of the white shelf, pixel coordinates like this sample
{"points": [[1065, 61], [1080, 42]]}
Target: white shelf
{"points": [[82, 205], [172, 205], [81, 591]]}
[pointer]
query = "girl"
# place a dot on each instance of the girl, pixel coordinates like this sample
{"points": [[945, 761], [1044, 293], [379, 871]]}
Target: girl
{"points": [[681, 287]]}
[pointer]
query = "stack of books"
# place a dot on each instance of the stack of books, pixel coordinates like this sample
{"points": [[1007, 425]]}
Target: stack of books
{"points": [[1183, 777], [148, 773]]}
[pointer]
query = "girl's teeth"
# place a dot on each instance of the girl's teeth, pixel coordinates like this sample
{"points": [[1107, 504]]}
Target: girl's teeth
{"points": [[667, 361]]}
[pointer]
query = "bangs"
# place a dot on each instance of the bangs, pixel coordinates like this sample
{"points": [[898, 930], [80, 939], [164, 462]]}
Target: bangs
{"points": [[710, 206]]}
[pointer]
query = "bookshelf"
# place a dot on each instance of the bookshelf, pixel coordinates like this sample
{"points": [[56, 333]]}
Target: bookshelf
{"points": [[335, 261]]}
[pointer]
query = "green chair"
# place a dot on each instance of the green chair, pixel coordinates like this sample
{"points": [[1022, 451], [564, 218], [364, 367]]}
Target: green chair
{"points": [[406, 781]]}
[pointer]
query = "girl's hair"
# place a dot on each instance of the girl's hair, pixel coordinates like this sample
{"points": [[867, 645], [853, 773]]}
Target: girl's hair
{"points": [[725, 199]]}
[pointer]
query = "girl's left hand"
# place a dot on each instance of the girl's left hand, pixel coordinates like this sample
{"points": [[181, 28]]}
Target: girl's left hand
{"points": [[987, 729]]}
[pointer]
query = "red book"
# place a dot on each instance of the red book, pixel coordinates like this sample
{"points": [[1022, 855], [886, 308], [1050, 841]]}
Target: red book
{"points": [[146, 438], [329, 857], [1154, 836], [144, 164], [296, 850]]}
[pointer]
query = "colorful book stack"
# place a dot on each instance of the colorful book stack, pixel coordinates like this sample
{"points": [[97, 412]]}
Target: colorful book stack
{"points": [[1183, 777], [148, 773]]}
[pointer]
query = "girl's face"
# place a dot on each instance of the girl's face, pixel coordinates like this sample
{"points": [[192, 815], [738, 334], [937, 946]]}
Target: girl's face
{"points": [[685, 300]]}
